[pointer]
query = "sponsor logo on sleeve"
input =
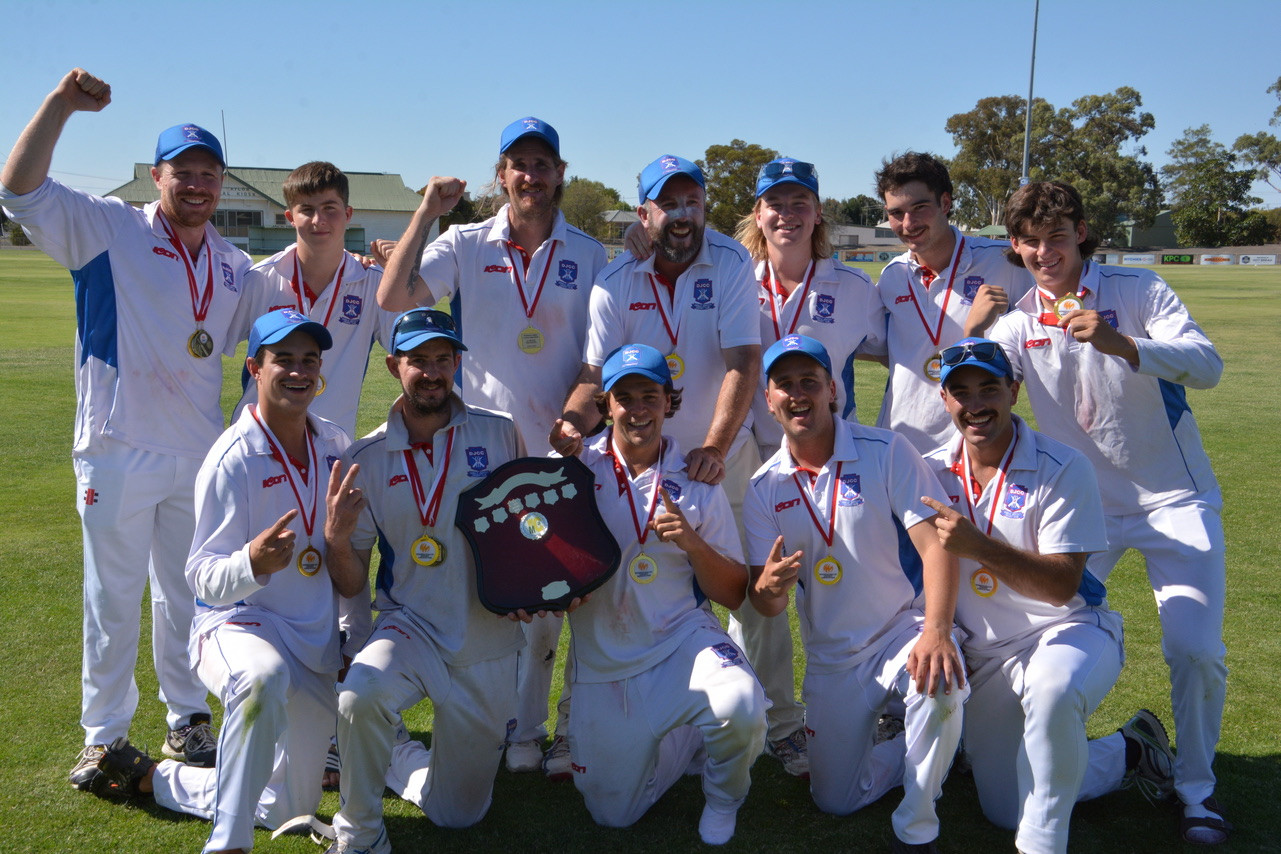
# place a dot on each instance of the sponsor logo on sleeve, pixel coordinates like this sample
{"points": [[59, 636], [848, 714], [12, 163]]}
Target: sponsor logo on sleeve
{"points": [[497, 268], [728, 654], [783, 505], [1033, 343], [643, 306], [902, 298], [160, 250], [273, 480], [400, 478]]}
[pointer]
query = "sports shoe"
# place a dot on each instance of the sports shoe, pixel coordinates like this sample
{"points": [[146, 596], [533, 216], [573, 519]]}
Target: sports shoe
{"points": [[86, 767], [524, 756], [1204, 823], [1153, 771], [122, 766], [888, 726], [716, 827], [382, 846], [557, 764], [793, 752], [193, 743]]}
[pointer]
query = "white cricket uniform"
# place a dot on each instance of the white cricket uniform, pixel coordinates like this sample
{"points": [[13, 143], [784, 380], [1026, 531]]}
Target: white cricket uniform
{"points": [[433, 638], [841, 308], [1160, 495], [1037, 670], [496, 294], [348, 308], [655, 675], [146, 413], [267, 645], [923, 320], [714, 308], [860, 619]]}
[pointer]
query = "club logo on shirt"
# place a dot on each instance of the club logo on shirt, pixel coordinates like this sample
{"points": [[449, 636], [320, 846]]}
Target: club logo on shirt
{"points": [[228, 277], [703, 295], [972, 285], [92, 496], [728, 654], [567, 277], [1015, 500], [351, 307], [673, 489], [330, 459], [848, 494], [497, 268], [1109, 315], [477, 461], [824, 308]]}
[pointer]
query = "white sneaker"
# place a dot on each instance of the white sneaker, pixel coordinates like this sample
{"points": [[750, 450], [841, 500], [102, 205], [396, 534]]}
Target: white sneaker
{"points": [[524, 756], [793, 752], [717, 827], [557, 764]]}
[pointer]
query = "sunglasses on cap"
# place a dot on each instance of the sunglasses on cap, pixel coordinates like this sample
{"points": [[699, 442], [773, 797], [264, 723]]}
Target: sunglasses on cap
{"points": [[798, 169], [982, 351], [426, 318]]}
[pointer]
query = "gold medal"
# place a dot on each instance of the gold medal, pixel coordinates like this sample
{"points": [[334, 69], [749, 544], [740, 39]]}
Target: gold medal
{"points": [[675, 365], [309, 561], [1063, 306], [642, 568], [933, 368], [983, 582], [427, 551], [200, 344], [534, 526], [530, 340], [828, 570], [320, 389]]}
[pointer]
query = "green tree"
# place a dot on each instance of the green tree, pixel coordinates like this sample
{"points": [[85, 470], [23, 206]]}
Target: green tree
{"points": [[858, 210], [1084, 144], [1262, 150], [1210, 193], [585, 200], [731, 172]]}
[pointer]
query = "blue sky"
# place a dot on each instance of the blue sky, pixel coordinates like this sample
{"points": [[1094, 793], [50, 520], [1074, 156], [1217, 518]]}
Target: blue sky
{"points": [[424, 88]]}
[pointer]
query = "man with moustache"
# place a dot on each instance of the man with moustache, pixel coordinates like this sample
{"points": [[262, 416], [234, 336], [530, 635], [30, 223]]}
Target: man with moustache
{"points": [[521, 279], [156, 291], [433, 638], [946, 286]]}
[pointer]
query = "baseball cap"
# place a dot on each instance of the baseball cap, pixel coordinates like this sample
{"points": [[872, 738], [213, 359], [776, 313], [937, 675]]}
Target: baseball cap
{"points": [[418, 325], [655, 175], [979, 352], [529, 126], [796, 344], [635, 359], [177, 139], [786, 170], [275, 326]]}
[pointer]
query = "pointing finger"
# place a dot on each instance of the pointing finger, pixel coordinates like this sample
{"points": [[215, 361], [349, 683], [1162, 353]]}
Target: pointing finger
{"points": [[282, 523]]}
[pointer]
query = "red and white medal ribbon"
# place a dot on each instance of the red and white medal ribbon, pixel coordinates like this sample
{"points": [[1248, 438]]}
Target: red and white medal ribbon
{"points": [[199, 301], [673, 332], [300, 291], [429, 501], [308, 514], [518, 273], [625, 487], [775, 310], [828, 533], [1000, 483], [937, 333]]}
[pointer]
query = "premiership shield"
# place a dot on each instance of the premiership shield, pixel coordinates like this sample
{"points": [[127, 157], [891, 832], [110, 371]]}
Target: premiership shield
{"points": [[536, 534]]}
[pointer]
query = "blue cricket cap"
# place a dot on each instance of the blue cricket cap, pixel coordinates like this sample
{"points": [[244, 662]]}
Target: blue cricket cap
{"points": [[635, 359], [529, 126], [418, 325], [979, 352], [655, 175], [177, 139], [802, 344], [786, 170], [276, 326]]}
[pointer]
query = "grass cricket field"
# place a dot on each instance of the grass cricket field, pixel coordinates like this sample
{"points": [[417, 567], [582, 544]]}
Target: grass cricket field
{"points": [[40, 561]]}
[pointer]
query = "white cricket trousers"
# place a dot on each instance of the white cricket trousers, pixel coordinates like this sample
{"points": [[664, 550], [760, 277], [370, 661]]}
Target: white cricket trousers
{"points": [[848, 770], [452, 783], [137, 517], [1025, 732], [632, 739], [275, 732], [1183, 546]]}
